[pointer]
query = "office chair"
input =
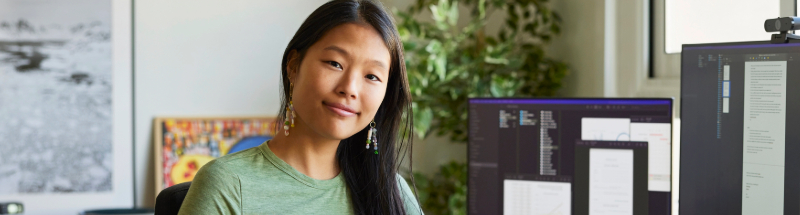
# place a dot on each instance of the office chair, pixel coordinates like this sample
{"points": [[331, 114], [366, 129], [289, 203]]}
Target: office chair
{"points": [[169, 200]]}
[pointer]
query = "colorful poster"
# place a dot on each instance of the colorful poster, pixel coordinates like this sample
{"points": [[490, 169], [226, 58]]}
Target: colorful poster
{"points": [[184, 145]]}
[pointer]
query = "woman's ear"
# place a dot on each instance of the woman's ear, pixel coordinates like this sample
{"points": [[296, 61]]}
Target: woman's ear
{"points": [[293, 65]]}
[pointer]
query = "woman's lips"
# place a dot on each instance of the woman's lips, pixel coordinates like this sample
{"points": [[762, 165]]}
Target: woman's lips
{"points": [[340, 109]]}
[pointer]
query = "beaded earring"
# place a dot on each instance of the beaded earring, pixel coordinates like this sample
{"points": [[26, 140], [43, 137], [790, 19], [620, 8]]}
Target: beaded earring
{"points": [[372, 136], [289, 119]]}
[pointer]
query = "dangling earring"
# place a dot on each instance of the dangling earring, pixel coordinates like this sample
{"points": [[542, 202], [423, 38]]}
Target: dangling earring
{"points": [[372, 136], [289, 110]]}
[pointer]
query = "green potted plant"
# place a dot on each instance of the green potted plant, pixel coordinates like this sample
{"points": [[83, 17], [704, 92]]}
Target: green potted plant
{"points": [[448, 63]]}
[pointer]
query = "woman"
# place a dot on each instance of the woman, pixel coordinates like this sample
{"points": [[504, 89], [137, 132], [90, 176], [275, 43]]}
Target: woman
{"points": [[347, 103]]}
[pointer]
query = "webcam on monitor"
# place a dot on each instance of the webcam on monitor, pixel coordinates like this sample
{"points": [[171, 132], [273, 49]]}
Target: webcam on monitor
{"points": [[782, 25]]}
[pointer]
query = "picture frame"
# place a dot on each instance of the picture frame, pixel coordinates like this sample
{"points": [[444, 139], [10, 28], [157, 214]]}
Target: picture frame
{"points": [[70, 63], [182, 145]]}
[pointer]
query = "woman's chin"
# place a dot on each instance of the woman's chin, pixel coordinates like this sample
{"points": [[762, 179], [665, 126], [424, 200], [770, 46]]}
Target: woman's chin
{"points": [[338, 135], [338, 132]]}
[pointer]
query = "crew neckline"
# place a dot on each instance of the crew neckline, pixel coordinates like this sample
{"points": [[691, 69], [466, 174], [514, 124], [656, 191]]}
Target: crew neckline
{"points": [[297, 175]]}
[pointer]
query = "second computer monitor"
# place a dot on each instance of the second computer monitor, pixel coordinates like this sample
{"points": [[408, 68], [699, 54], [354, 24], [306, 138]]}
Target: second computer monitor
{"points": [[740, 118], [569, 156]]}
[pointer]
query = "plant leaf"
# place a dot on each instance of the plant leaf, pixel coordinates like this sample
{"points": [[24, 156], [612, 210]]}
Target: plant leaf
{"points": [[452, 16], [492, 60], [441, 66], [422, 121]]}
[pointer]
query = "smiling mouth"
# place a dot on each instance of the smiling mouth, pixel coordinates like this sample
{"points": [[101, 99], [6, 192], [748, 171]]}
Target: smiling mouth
{"points": [[339, 109]]}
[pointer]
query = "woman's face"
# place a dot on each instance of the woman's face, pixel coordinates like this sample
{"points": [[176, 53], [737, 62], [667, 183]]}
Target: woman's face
{"points": [[341, 81]]}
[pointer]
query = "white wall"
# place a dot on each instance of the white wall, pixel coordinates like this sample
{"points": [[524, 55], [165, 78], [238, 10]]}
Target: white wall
{"points": [[581, 46], [206, 58]]}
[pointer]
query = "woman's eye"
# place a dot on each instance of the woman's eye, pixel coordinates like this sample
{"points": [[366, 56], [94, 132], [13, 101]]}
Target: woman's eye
{"points": [[372, 77], [335, 64]]}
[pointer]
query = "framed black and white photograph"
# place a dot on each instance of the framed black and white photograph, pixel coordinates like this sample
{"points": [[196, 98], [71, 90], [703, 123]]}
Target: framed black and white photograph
{"points": [[66, 104]]}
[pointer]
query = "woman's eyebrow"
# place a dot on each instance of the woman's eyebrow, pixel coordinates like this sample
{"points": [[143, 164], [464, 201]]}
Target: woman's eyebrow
{"points": [[346, 54], [378, 63], [337, 49]]}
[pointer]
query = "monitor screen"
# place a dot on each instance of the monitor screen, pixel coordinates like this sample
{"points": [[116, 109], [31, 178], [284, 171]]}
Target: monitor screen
{"points": [[569, 156], [737, 119]]}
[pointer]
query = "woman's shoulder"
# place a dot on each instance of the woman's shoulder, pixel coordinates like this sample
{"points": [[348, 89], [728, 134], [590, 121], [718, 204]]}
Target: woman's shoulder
{"points": [[243, 160], [216, 171], [241, 155], [232, 168], [401, 181], [409, 199], [214, 187]]}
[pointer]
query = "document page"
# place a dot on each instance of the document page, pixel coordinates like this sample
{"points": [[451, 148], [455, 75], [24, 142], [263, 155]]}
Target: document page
{"points": [[610, 181], [609, 129], [764, 138], [658, 137], [537, 197]]}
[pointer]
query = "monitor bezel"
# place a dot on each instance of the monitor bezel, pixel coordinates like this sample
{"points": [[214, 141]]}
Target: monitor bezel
{"points": [[742, 43]]}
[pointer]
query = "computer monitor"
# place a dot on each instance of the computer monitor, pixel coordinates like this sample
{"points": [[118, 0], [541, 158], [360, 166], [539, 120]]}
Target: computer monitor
{"points": [[739, 109], [569, 156]]}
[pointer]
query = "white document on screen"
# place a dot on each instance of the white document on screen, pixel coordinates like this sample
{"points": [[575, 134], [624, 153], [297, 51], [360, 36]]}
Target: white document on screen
{"points": [[537, 197], [610, 181], [659, 149], [608, 129], [764, 137]]}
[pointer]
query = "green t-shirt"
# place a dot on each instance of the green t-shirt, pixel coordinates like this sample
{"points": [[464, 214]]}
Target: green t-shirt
{"points": [[255, 181]]}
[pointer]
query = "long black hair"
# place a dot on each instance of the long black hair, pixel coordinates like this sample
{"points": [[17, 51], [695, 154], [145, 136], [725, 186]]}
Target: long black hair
{"points": [[371, 179]]}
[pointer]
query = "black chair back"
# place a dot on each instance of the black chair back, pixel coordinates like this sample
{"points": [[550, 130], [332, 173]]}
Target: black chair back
{"points": [[169, 200]]}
